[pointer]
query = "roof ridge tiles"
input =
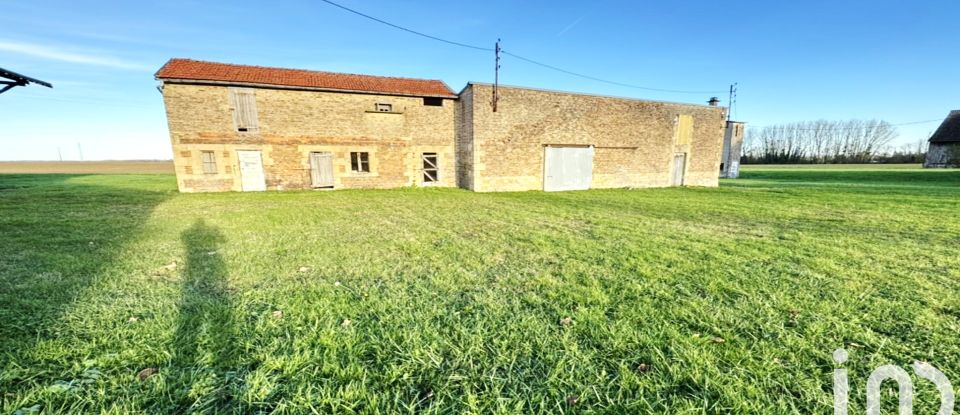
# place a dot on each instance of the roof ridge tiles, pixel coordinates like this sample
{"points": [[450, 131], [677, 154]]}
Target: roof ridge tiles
{"points": [[199, 70]]}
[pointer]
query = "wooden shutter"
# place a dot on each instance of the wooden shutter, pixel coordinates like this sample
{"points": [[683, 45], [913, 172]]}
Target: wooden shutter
{"points": [[244, 109], [209, 162], [684, 129]]}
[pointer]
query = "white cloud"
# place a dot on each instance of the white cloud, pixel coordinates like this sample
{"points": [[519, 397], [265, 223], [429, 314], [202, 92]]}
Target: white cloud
{"points": [[51, 53]]}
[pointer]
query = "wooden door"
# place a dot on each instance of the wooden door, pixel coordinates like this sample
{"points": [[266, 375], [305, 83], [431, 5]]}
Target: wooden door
{"points": [[321, 169], [251, 171], [679, 167]]}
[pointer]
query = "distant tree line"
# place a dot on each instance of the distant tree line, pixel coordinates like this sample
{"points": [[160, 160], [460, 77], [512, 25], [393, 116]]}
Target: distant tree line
{"points": [[822, 142]]}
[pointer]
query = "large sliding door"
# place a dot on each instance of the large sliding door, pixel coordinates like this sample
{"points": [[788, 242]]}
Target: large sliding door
{"points": [[567, 168]]}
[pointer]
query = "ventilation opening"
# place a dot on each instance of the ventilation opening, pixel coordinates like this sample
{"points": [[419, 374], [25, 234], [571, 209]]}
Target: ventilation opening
{"points": [[430, 168], [433, 101]]}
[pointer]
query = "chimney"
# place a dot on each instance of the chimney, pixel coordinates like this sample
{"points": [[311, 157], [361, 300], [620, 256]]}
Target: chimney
{"points": [[714, 101]]}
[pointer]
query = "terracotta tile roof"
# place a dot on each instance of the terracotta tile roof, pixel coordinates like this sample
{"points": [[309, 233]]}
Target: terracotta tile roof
{"points": [[189, 69], [949, 131]]}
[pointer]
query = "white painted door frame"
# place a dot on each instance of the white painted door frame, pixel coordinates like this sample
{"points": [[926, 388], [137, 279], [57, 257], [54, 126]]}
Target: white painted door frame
{"points": [[252, 178]]}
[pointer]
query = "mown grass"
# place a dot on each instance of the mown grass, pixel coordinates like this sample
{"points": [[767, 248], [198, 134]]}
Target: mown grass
{"points": [[727, 300], [875, 166]]}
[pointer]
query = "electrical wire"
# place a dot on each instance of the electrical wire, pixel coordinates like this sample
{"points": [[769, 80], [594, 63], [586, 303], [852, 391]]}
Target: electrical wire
{"points": [[593, 78], [405, 29], [522, 58]]}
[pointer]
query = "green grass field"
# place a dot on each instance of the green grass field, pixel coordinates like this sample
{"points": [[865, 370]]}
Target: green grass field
{"points": [[679, 300]]}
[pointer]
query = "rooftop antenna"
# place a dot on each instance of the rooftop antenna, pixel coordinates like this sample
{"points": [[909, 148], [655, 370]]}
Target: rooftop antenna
{"points": [[496, 74]]}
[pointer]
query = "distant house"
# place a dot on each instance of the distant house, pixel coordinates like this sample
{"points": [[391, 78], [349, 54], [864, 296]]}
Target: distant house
{"points": [[249, 128], [944, 150]]}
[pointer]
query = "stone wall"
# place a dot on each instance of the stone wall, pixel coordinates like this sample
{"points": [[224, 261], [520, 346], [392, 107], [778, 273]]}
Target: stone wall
{"points": [[635, 141], [941, 155], [464, 121], [732, 150], [293, 123]]}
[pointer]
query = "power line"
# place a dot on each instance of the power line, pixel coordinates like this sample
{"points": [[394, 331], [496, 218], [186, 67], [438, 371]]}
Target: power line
{"points": [[525, 59], [405, 29], [593, 78]]}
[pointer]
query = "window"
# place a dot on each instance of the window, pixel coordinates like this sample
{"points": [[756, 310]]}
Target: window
{"points": [[244, 109], [430, 168], [209, 162], [360, 162], [433, 101], [384, 107]]}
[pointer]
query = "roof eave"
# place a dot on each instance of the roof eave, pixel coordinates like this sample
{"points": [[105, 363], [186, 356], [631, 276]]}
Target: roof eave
{"points": [[295, 87], [587, 94]]}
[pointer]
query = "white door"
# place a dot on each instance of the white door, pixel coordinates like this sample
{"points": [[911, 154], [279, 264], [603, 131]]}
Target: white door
{"points": [[679, 165], [567, 168], [251, 171], [321, 169]]}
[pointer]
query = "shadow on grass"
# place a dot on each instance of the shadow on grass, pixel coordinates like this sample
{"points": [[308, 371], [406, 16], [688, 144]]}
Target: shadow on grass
{"points": [[59, 235], [205, 344]]}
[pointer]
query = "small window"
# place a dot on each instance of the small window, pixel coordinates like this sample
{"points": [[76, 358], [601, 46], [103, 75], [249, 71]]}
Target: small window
{"points": [[360, 162], [209, 162], [384, 107], [431, 170], [433, 101]]}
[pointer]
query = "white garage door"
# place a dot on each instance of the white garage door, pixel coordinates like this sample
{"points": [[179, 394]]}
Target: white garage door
{"points": [[567, 168]]}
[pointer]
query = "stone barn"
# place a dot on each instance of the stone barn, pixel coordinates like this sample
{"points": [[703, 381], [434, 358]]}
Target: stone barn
{"points": [[944, 149], [250, 128]]}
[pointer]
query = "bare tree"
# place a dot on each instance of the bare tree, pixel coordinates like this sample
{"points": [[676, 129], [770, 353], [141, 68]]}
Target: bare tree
{"points": [[821, 141]]}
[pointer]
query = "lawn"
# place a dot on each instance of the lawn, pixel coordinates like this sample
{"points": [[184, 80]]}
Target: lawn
{"points": [[679, 300]]}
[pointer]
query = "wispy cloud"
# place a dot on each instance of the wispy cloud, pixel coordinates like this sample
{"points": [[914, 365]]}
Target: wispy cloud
{"points": [[571, 25], [57, 54]]}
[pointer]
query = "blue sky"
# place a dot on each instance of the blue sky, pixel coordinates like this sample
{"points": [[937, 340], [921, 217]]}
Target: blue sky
{"points": [[803, 60]]}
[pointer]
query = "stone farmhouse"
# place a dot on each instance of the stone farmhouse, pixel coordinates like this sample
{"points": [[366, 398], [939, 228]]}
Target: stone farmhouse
{"points": [[250, 128], [944, 149]]}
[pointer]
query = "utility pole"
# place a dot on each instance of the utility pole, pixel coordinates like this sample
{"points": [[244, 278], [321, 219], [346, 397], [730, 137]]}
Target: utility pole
{"points": [[496, 74], [732, 99], [80, 151]]}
